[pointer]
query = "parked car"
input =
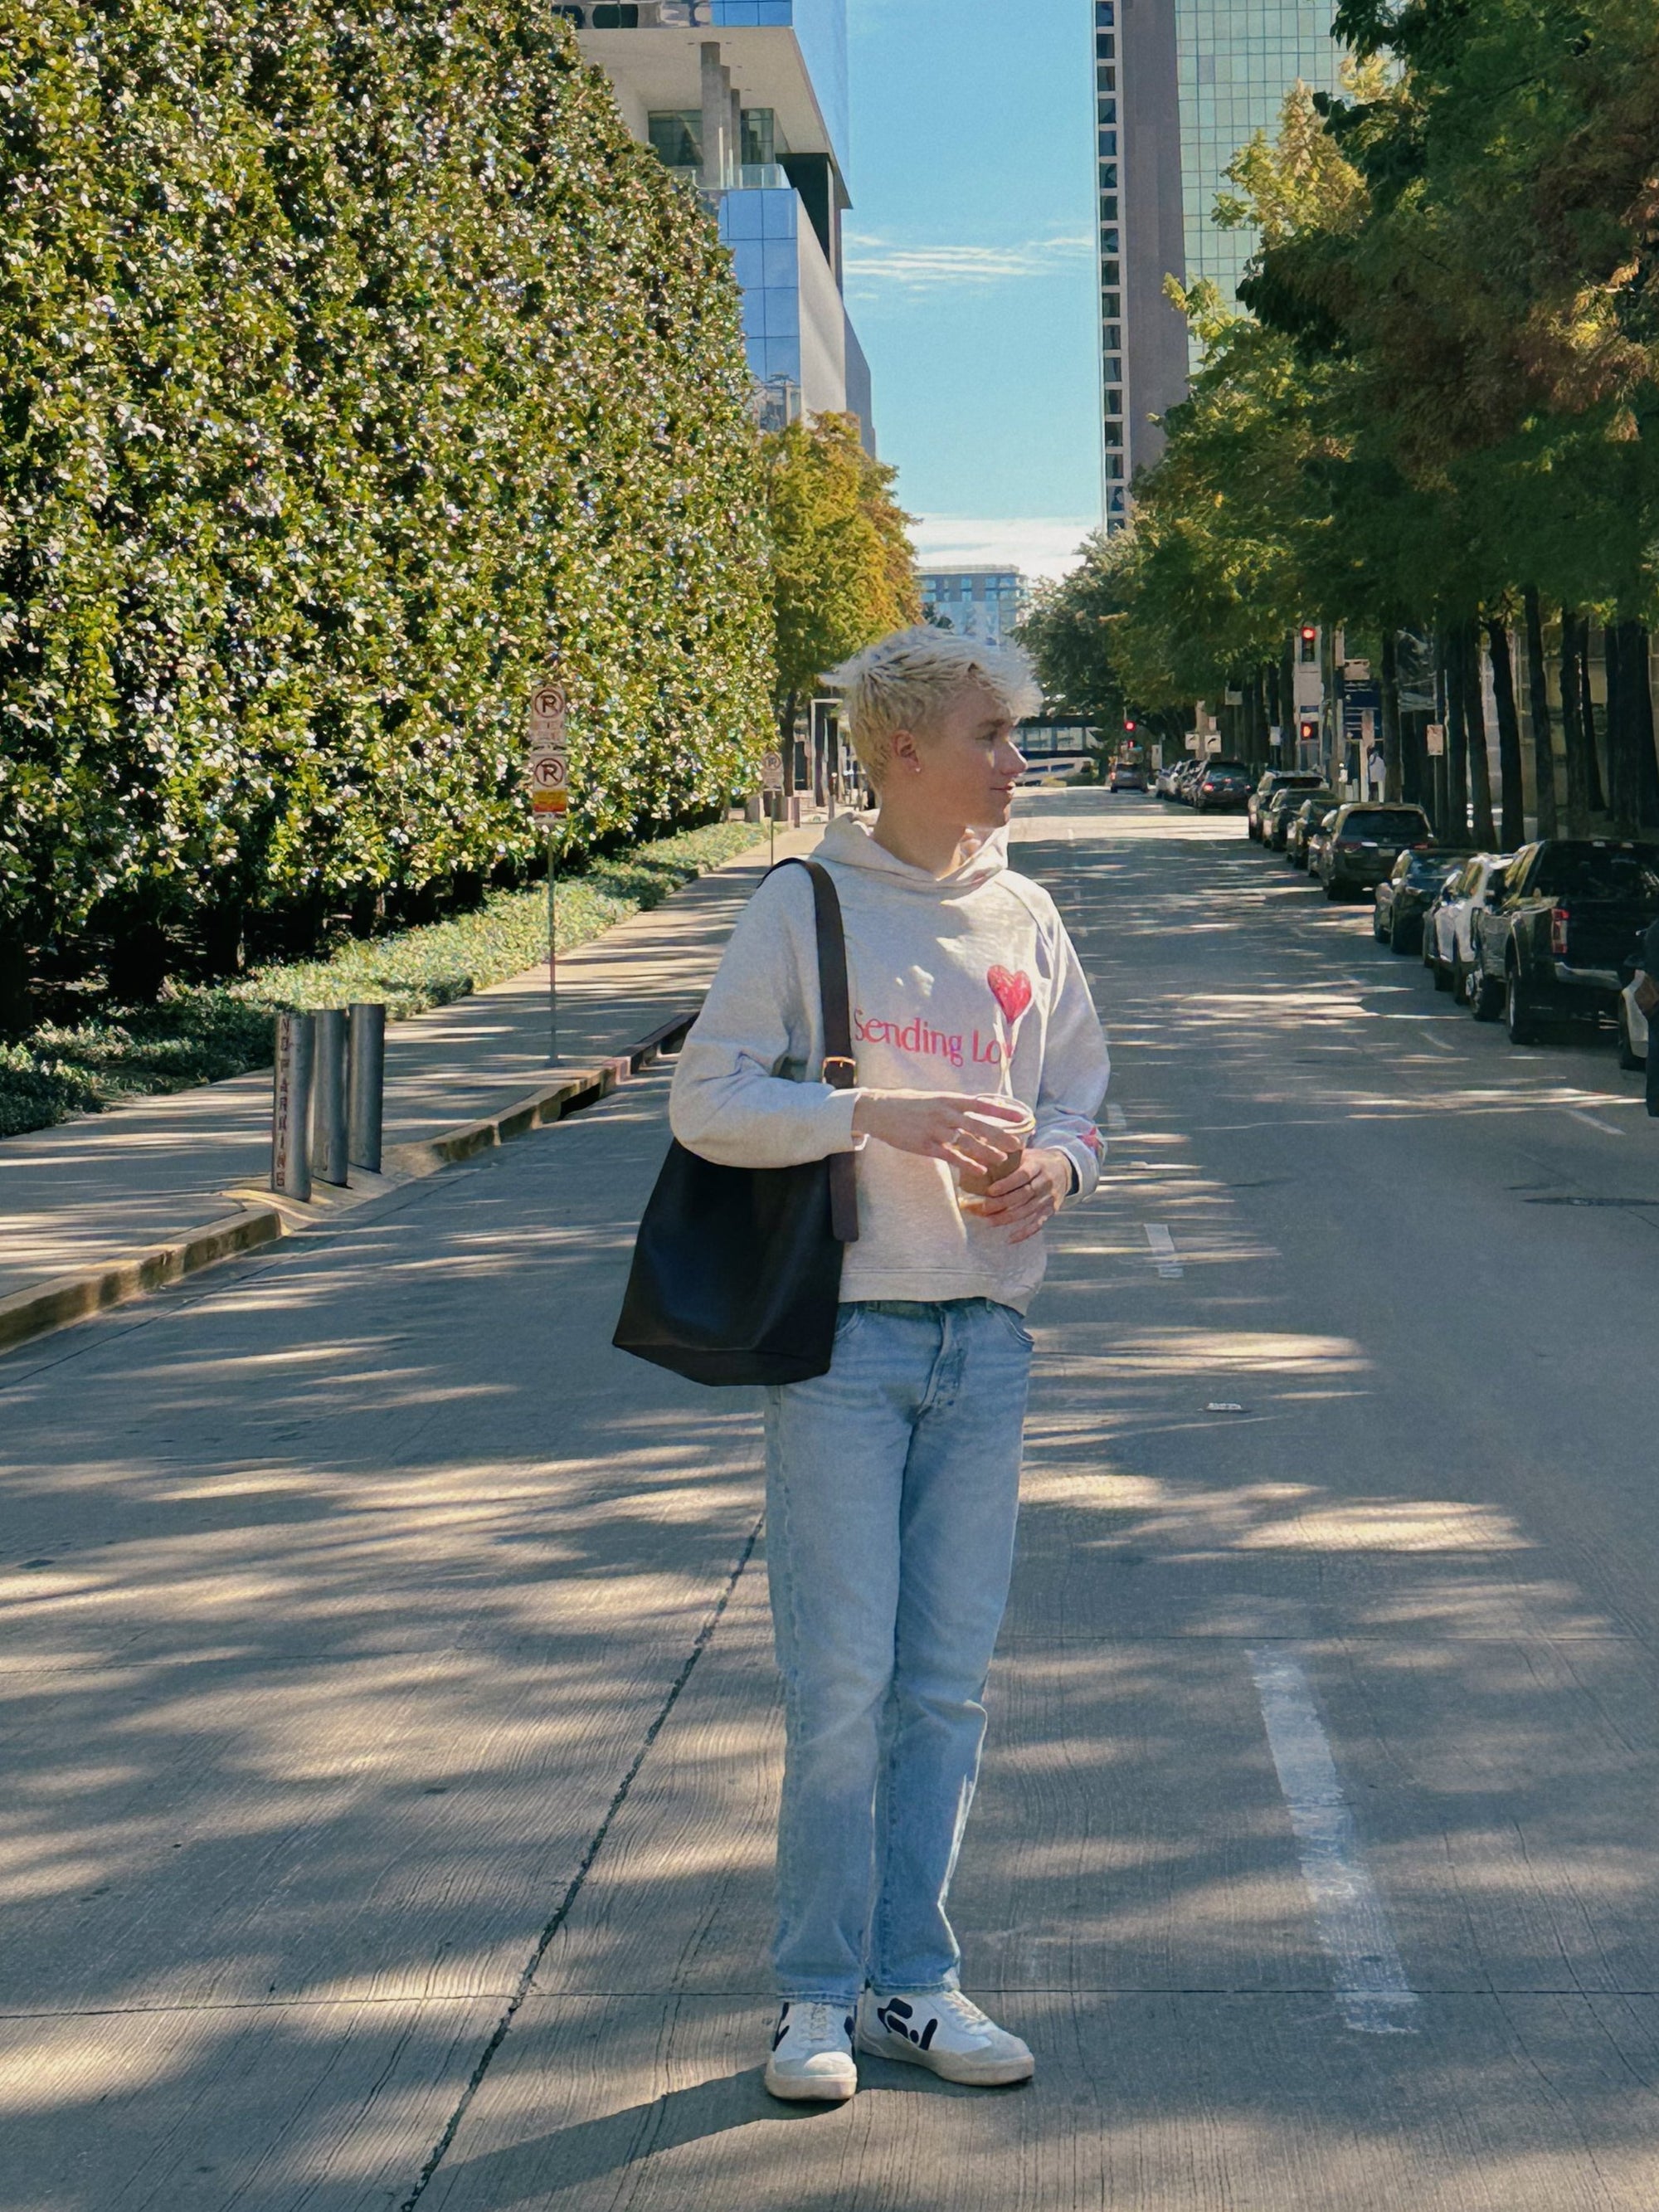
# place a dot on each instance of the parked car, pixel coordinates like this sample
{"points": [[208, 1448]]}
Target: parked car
{"points": [[1632, 1022], [1450, 947], [1404, 898], [1364, 843], [1124, 777], [1317, 836], [1190, 772], [1552, 949], [1164, 782], [1277, 780], [1279, 814], [1222, 784], [1304, 821]]}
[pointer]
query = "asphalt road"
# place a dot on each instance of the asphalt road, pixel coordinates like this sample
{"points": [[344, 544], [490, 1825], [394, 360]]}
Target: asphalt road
{"points": [[388, 1742]]}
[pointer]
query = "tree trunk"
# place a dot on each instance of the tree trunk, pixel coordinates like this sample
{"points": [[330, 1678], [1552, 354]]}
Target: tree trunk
{"points": [[137, 964], [1416, 785], [1543, 738], [1616, 727], [1573, 731], [1458, 737], [1640, 688], [1393, 785], [1600, 787], [1513, 829], [15, 1009], [787, 743], [1440, 764], [1474, 724]]}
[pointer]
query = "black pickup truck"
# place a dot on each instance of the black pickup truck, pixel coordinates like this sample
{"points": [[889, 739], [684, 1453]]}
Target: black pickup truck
{"points": [[1569, 908]]}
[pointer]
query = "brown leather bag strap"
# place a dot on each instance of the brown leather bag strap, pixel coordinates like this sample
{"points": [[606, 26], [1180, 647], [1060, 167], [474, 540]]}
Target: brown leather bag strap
{"points": [[840, 1069]]}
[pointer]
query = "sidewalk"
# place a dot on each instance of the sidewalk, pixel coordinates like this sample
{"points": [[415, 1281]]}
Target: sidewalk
{"points": [[92, 1193]]}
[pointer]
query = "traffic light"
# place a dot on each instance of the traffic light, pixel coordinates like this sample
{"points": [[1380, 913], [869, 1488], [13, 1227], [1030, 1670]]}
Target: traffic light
{"points": [[1130, 727], [1309, 642], [1308, 731]]}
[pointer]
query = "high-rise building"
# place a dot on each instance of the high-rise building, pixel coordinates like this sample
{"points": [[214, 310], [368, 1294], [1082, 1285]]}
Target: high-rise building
{"points": [[1180, 87], [746, 101], [978, 600]]}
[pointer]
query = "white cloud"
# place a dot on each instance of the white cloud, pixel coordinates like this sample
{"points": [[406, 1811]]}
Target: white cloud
{"points": [[929, 268], [1040, 546]]}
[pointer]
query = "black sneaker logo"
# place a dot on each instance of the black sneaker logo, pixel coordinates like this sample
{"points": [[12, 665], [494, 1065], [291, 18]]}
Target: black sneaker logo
{"points": [[895, 2017], [782, 2027]]}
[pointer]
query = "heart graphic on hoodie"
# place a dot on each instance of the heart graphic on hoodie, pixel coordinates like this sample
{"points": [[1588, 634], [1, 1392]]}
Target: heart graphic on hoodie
{"points": [[1012, 993]]}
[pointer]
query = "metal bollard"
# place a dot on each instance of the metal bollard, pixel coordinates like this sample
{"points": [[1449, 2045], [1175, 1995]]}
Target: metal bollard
{"points": [[367, 1107], [328, 1107], [290, 1116]]}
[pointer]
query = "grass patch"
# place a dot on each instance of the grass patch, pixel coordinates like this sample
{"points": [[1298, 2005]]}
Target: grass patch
{"points": [[201, 1035]]}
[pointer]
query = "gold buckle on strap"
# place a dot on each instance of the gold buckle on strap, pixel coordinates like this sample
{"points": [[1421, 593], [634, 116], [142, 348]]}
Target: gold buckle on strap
{"points": [[841, 1082]]}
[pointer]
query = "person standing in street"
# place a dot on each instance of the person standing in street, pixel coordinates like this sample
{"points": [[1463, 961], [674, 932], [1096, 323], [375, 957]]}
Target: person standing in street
{"points": [[892, 1481]]}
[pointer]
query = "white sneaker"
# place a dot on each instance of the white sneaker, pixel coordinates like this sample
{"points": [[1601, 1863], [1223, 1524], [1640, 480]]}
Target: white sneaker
{"points": [[945, 2031], [812, 2056]]}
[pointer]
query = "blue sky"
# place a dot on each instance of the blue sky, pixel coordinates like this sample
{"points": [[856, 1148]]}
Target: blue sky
{"points": [[970, 270]]}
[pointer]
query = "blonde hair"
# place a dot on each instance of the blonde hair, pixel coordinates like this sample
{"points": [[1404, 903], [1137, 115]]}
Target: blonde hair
{"points": [[905, 682]]}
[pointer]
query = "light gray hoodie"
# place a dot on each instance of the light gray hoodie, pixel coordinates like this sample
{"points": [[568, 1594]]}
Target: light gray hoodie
{"points": [[966, 982]]}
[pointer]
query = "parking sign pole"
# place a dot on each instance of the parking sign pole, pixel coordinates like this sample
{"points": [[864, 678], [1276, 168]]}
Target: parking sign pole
{"points": [[548, 773]]}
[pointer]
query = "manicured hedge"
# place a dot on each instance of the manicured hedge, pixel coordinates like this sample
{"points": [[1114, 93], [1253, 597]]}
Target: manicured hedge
{"points": [[354, 362]]}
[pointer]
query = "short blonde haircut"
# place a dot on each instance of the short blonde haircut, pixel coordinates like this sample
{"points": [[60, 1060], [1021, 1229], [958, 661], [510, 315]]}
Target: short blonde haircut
{"points": [[905, 682]]}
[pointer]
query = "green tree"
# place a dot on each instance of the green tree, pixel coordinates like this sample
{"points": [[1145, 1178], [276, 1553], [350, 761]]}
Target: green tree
{"points": [[843, 568]]}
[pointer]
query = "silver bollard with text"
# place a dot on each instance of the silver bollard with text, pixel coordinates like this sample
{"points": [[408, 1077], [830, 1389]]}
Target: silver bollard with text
{"points": [[290, 1117], [328, 1116], [367, 1084]]}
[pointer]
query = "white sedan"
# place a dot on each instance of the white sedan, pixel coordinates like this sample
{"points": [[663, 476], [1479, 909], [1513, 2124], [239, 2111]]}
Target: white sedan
{"points": [[1449, 943], [1633, 1027]]}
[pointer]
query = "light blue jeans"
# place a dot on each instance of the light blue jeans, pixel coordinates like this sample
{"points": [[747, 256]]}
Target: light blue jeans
{"points": [[892, 1491]]}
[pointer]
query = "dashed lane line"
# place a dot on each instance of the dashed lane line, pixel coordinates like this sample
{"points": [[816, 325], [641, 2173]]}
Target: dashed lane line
{"points": [[1372, 1993], [1594, 1122]]}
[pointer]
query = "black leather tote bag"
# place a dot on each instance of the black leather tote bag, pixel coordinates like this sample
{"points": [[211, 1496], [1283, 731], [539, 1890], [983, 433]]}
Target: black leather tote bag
{"points": [[737, 1271]]}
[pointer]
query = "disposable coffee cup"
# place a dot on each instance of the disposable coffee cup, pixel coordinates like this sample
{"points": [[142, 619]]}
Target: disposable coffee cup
{"points": [[973, 1183]]}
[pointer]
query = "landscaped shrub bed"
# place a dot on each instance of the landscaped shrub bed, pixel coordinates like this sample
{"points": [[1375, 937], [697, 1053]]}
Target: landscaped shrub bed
{"points": [[198, 1034], [354, 366]]}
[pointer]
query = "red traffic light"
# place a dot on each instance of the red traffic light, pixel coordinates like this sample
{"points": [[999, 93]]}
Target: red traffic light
{"points": [[1310, 631], [1310, 730], [1128, 726]]}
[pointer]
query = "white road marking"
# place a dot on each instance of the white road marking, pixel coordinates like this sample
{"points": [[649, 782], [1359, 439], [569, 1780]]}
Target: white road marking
{"points": [[1372, 1988], [1444, 1043], [1117, 1122], [1590, 1122], [1162, 1248]]}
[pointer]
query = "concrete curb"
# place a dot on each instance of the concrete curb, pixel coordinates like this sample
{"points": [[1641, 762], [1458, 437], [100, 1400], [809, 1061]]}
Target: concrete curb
{"points": [[68, 1298]]}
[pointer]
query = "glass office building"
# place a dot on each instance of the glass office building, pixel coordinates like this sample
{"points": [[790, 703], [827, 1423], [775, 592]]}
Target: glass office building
{"points": [[1180, 87], [976, 601], [1236, 66], [747, 102]]}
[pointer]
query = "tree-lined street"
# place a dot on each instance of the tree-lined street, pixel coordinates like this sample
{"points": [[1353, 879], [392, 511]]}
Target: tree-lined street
{"points": [[391, 1737]]}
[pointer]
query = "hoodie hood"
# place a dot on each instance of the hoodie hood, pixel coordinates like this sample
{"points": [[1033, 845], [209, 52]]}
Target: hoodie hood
{"points": [[848, 844]]}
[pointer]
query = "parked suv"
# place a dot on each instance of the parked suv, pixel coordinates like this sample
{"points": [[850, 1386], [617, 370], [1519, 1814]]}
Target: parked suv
{"points": [[1365, 839], [1551, 948], [1277, 779]]}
